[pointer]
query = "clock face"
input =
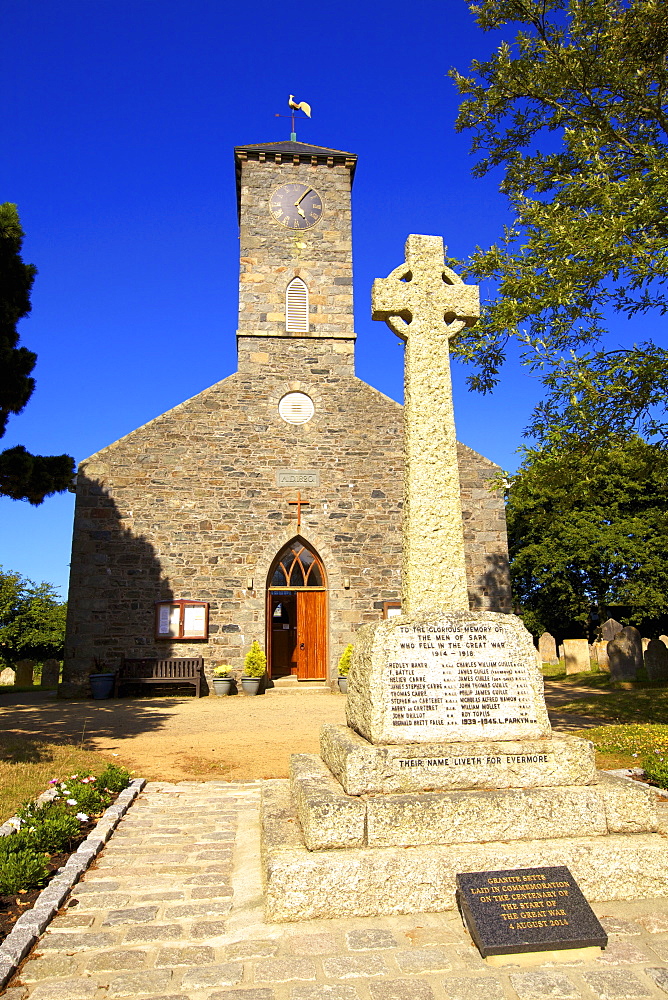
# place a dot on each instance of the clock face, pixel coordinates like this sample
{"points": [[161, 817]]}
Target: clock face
{"points": [[297, 206]]}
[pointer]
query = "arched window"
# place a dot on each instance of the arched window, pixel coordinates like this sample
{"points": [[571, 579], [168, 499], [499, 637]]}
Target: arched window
{"points": [[297, 566], [296, 307]]}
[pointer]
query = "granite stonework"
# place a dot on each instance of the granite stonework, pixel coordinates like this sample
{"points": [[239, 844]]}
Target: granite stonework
{"points": [[426, 304], [362, 881], [332, 819], [362, 767], [455, 676], [525, 910]]}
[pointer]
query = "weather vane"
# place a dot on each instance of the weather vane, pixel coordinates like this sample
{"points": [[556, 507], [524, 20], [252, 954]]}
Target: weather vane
{"points": [[295, 106]]}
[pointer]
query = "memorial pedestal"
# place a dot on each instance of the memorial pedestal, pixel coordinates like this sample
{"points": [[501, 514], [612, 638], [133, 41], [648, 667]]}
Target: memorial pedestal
{"points": [[448, 765]]}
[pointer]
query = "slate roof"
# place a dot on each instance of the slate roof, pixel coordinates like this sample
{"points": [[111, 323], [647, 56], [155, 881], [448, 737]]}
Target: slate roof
{"points": [[290, 147]]}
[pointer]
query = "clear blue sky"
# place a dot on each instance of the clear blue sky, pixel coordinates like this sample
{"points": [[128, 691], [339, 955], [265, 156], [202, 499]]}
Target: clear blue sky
{"points": [[119, 121]]}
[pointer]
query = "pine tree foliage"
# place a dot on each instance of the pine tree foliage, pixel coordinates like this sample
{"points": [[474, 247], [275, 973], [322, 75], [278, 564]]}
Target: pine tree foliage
{"points": [[573, 111], [589, 530], [22, 476]]}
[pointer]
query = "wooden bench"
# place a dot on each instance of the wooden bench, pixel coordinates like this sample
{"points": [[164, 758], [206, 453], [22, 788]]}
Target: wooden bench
{"points": [[178, 670]]}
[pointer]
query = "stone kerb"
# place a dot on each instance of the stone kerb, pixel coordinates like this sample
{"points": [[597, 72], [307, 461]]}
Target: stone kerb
{"points": [[446, 676]]}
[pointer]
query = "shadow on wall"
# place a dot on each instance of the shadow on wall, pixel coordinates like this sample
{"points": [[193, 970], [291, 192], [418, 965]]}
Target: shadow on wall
{"points": [[493, 592], [115, 580]]}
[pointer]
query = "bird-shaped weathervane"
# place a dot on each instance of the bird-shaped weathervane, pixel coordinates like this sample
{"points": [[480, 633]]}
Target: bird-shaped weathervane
{"points": [[297, 106]]}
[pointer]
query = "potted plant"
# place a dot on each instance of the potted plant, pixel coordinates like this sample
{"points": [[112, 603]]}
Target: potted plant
{"points": [[101, 680], [344, 667], [222, 679], [255, 666]]}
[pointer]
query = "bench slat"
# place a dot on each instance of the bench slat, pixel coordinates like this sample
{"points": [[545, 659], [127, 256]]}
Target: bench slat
{"points": [[154, 671]]}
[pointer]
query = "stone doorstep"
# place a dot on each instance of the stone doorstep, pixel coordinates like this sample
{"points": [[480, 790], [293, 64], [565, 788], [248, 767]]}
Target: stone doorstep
{"points": [[374, 881], [330, 819], [363, 767]]}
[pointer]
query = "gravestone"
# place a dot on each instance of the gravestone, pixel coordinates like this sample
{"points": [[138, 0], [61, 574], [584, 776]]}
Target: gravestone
{"points": [[50, 674], [527, 910], [448, 763], [7, 676], [601, 656], [610, 629], [548, 648], [625, 654], [24, 673], [664, 639], [576, 656], [645, 643], [656, 660]]}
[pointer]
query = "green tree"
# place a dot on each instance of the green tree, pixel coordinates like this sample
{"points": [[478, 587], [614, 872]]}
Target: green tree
{"points": [[588, 530], [22, 476], [32, 619], [573, 111]]}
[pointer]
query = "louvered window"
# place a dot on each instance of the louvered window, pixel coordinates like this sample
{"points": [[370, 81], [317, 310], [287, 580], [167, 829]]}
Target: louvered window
{"points": [[296, 307]]}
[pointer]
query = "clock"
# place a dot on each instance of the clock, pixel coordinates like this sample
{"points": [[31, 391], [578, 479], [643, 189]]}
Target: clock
{"points": [[297, 206]]}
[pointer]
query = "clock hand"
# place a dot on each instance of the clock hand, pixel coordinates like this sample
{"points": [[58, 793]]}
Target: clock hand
{"points": [[300, 211], [301, 198]]}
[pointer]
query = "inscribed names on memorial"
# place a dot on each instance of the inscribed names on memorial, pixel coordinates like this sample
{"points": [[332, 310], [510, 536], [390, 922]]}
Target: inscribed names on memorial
{"points": [[527, 909], [458, 680]]}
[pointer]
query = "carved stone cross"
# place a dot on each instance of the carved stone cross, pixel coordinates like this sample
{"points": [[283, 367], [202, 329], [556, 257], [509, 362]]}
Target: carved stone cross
{"points": [[427, 304]]}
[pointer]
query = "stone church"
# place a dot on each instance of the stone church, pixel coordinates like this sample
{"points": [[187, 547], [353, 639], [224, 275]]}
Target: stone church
{"points": [[267, 507]]}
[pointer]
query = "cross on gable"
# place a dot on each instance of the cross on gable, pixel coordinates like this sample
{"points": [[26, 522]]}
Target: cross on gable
{"points": [[424, 294], [299, 503]]}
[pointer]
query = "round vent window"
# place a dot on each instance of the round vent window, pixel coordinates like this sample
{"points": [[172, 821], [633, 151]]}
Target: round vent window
{"points": [[296, 408]]}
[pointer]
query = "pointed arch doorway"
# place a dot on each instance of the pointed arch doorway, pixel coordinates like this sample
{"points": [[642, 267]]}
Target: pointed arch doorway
{"points": [[297, 614]]}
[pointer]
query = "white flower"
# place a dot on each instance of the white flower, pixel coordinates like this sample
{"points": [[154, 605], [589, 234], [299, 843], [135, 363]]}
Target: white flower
{"points": [[82, 817], [72, 802]]}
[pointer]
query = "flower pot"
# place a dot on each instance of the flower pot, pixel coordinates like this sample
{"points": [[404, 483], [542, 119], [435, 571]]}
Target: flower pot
{"points": [[251, 685], [102, 685], [222, 685], [343, 685]]}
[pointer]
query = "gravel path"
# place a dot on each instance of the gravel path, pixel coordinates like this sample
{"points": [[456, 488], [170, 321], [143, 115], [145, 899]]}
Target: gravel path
{"points": [[173, 909], [235, 739]]}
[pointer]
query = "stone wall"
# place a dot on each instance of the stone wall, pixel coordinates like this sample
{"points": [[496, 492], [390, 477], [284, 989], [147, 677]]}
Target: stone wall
{"points": [[188, 507]]}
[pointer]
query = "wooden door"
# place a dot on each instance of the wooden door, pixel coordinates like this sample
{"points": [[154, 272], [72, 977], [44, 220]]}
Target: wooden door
{"points": [[311, 634]]}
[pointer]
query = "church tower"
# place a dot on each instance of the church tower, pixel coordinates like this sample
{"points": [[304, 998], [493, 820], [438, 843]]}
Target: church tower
{"points": [[295, 280]]}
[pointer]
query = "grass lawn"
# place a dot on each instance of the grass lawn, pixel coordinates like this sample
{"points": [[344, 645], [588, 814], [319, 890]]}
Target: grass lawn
{"points": [[27, 766], [636, 719]]}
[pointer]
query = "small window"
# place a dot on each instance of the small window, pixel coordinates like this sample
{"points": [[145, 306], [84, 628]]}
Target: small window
{"points": [[181, 620], [391, 609], [296, 307]]}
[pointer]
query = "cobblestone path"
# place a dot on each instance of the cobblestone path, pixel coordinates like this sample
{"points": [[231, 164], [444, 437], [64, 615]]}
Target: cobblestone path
{"points": [[173, 909]]}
